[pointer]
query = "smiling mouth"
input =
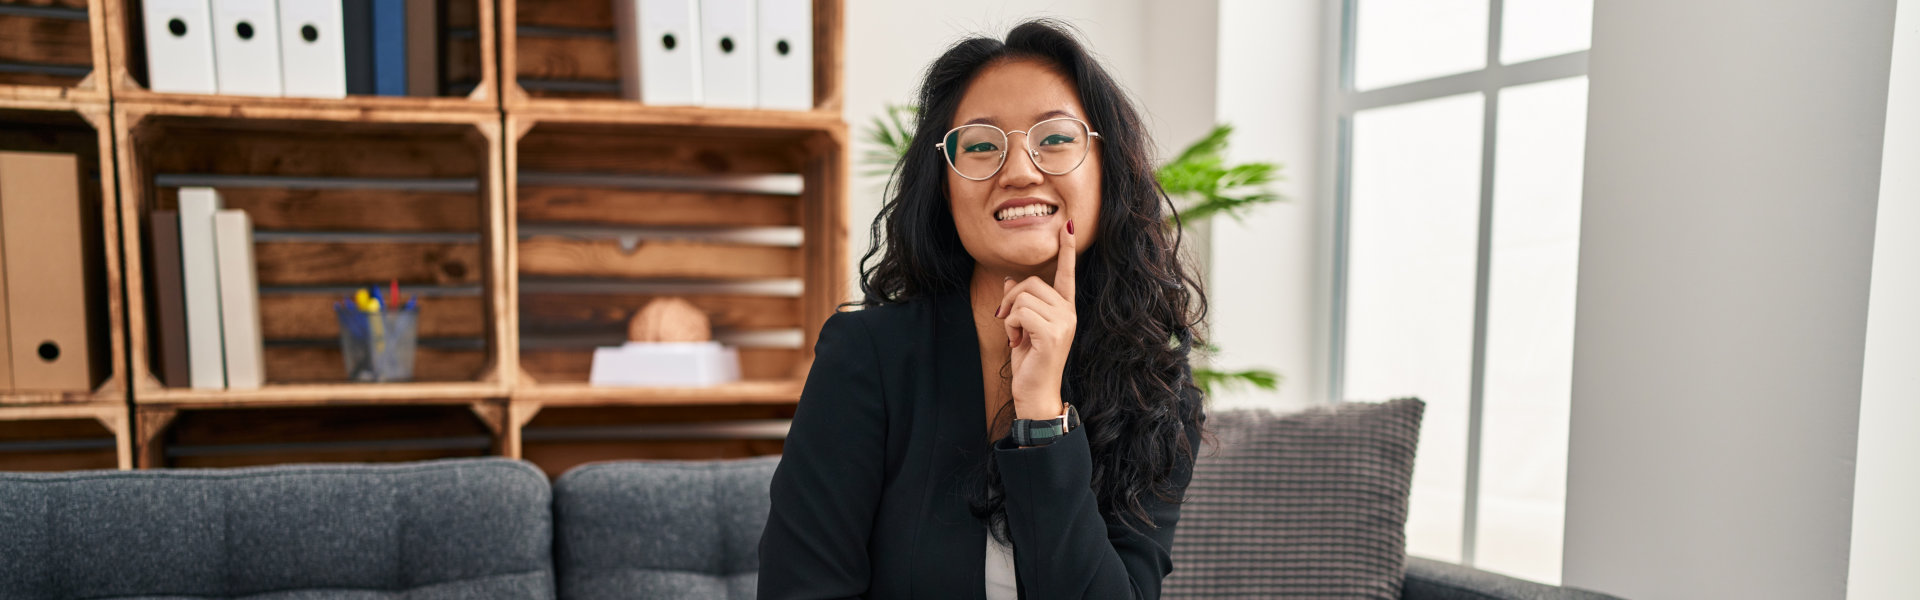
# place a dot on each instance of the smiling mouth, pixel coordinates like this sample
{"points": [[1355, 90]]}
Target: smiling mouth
{"points": [[1029, 210]]}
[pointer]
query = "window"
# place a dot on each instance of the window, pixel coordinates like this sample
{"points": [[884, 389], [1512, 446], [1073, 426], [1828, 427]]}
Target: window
{"points": [[1461, 129]]}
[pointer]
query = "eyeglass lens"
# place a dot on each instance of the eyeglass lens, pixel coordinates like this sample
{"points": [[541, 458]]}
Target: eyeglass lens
{"points": [[978, 151]]}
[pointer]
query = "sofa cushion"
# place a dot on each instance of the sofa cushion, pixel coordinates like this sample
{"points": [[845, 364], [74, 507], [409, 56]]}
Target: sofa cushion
{"points": [[661, 529], [462, 528], [1303, 505]]}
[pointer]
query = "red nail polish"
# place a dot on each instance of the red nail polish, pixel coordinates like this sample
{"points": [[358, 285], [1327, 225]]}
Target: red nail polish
{"points": [[1069, 226]]}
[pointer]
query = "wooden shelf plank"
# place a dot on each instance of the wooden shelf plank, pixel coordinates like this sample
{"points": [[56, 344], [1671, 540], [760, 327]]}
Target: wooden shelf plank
{"points": [[581, 394], [323, 394]]}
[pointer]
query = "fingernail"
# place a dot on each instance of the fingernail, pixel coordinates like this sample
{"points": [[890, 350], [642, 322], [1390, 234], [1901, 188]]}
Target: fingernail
{"points": [[1069, 226]]}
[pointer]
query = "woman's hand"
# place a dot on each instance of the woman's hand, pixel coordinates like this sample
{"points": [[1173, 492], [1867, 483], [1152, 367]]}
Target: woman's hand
{"points": [[1040, 321]]}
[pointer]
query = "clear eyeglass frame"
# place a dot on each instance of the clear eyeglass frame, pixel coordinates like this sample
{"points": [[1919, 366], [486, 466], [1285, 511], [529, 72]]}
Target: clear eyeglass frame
{"points": [[1007, 137]]}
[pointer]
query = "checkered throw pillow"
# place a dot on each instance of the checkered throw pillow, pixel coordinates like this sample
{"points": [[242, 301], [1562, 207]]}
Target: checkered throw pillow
{"points": [[1302, 505]]}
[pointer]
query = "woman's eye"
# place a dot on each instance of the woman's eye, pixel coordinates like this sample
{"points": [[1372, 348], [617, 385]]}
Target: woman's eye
{"points": [[982, 147], [1058, 138]]}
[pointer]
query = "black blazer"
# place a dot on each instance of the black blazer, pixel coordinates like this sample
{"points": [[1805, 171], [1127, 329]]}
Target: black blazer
{"points": [[869, 501]]}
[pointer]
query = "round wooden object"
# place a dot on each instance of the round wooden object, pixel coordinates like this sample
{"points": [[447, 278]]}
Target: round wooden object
{"points": [[669, 320]]}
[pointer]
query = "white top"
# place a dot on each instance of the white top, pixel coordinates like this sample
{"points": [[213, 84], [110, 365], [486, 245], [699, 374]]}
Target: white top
{"points": [[1000, 583]]}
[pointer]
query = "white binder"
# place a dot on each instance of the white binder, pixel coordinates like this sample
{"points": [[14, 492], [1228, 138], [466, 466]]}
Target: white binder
{"points": [[313, 51], [239, 300], [246, 46], [200, 276], [786, 54], [728, 77], [660, 47], [179, 46]]}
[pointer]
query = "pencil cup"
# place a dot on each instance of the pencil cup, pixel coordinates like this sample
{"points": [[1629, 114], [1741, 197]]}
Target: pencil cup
{"points": [[378, 346]]}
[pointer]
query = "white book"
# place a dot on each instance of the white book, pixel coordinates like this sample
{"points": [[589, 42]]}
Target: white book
{"points": [[313, 50], [659, 50], [727, 74], [246, 46], [786, 54], [239, 300], [200, 278], [179, 46]]}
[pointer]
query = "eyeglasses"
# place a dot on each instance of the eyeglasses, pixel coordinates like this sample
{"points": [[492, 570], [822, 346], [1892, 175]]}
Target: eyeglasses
{"points": [[977, 151]]}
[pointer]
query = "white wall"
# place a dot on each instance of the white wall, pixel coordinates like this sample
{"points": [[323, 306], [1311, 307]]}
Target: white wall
{"points": [[1886, 484], [1733, 166], [1269, 272]]}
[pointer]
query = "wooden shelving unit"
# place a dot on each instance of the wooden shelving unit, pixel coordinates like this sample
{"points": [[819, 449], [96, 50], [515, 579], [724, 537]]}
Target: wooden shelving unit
{"points": [[53, 50], [469, 79], [81, 128], [532, 221]]}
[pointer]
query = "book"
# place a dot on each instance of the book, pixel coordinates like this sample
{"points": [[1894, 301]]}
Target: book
{"points": [[170, 301], [239, 300], [390, 47], [357, 17], [423, 48], [200, 278]]}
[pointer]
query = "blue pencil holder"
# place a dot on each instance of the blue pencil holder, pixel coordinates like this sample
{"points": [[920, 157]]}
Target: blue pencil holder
{"points": [[378, 346]]}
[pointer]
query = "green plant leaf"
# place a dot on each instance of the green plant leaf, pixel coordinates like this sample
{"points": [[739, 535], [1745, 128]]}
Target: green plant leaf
{"points": [[888, 137], [1209, 379]]}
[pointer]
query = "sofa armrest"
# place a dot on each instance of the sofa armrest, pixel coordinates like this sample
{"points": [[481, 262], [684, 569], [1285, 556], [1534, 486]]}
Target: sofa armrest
{"points": [[1434, 580]]}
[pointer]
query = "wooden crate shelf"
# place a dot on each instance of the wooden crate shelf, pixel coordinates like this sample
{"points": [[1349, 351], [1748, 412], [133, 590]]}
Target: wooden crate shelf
{"points": [[609, 213], [522, 275], [83, 130], [58, 421], [337, 203], [54, 50], [231, 435], [468, 79], [564, 54]]}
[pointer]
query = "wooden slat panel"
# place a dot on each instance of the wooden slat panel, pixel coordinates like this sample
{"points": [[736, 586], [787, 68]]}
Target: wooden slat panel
{"points": [[565, 365], [52, 429], [569, 150], [314, 153], [562, 257], [342, 456], [58, 461], [38, 79], [583, 14], [462, 14], [655, 207], [310, 316], [355, 263], [574, 58], [556, 458], [585, 313], [347, 210], [45, 41], [311, 365], [330, 424], [463, 60], [598, 416]]}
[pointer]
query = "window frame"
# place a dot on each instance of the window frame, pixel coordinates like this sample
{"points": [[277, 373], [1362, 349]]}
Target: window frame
{"points": [[1340, 103]]}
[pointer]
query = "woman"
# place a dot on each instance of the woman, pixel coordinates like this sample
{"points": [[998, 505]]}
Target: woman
{"points": [[1027, 285]]}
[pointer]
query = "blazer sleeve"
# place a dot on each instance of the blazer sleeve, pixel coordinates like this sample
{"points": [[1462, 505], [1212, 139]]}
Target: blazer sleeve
{"points": [[1063, 546], [828, 484]]}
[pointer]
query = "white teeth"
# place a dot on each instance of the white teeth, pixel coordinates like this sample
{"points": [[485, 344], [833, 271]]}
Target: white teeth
{"points": [[1024, 211]]}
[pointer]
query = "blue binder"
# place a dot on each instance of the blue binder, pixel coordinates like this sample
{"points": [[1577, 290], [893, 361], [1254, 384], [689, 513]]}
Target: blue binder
{"points": [[390, 47]]}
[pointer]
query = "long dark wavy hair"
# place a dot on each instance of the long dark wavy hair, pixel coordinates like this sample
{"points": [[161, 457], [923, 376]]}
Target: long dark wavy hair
{"points": [[1139, 306]]}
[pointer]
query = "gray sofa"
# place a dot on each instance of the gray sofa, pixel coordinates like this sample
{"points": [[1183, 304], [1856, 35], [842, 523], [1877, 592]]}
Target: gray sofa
{"points": [[465, 528]]}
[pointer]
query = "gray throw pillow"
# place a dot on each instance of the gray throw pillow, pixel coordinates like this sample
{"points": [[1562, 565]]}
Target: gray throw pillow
{"points": [[1310, 504]]}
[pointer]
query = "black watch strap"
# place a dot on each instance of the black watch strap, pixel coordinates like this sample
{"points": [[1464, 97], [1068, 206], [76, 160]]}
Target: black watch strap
{"points": [[1040, 432]]}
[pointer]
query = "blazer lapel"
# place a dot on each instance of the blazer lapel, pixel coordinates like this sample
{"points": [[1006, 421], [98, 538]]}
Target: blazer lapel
{"points": [[953, 551]]}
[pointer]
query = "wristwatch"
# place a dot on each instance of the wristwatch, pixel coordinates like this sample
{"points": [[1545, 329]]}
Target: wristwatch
{"points": [[1040, 432]]}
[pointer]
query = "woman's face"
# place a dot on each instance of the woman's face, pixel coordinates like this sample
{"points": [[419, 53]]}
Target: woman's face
{"points": [[1014, 95]]}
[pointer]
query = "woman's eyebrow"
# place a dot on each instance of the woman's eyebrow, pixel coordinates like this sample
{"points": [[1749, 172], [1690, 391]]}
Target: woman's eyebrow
{"points": [[1043, 116]]}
